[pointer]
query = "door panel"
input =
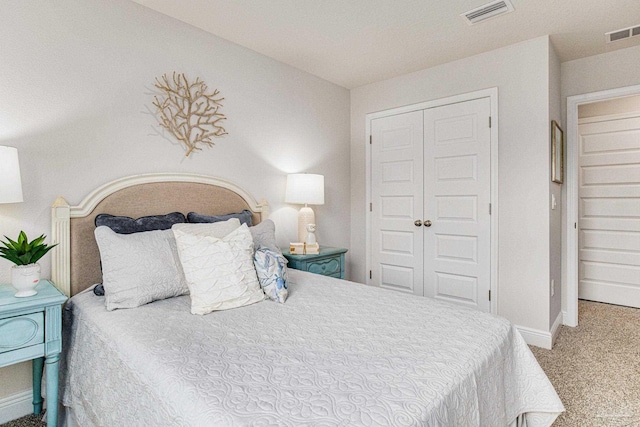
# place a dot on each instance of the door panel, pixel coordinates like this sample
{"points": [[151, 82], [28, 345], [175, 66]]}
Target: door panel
{"points": [[397, 201], [609, 211], [457, 193]]}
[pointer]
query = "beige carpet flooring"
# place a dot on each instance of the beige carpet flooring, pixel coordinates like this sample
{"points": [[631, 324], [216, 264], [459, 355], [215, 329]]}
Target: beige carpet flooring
{"points": [[28, 421], [594, 367]]}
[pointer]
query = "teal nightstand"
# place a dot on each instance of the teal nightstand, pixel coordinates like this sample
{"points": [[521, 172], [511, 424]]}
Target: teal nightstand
{"points": [[329, 262], [31, 329]]}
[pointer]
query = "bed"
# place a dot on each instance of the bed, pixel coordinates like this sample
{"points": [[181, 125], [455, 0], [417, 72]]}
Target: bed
{"points": [[337, 353]]}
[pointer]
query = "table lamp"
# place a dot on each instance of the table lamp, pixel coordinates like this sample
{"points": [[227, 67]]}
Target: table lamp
{"points": [[10, 182], [307, 189]]}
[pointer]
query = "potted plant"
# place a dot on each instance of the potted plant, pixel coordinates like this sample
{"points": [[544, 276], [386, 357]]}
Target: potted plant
{"points": [[25, 274]]}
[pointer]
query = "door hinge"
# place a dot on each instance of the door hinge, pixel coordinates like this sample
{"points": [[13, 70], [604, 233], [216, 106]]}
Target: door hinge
{"points": [[575, 225], [370, 139], [489, 294], [489, 208], [370, 207], [370, 275], [489, 121]]}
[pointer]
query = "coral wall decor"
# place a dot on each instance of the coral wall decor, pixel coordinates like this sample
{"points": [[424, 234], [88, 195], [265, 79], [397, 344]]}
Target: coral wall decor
{"points": [[189, 111]]}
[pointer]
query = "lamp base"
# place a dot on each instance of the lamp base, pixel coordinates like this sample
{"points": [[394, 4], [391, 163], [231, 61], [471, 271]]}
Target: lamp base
{"points": [[305, 217]]}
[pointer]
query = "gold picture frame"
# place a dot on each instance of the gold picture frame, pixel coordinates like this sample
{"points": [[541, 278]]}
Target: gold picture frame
{"points": [[557, 153]]}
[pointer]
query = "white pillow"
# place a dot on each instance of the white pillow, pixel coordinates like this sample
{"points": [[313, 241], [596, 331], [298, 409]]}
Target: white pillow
{"points": [[219, 271], [212, 229], [139, 268]]}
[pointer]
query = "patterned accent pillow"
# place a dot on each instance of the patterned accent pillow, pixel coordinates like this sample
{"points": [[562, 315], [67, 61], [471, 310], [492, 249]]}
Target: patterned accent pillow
{"points": [[245, 217], [271, 268], [128, 225], [219, 271], [139, 268]]}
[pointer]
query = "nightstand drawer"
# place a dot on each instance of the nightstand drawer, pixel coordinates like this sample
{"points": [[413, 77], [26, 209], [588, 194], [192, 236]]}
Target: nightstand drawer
{"points": [[21, 331], [329, 262], [326, 267]]}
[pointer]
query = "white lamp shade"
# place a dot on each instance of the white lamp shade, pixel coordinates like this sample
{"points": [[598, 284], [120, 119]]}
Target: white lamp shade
{"points": [[305, 188], [10, 182]]}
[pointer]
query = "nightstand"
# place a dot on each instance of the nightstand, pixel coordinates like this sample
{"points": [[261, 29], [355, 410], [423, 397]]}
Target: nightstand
{"points": [[31, 329], [329, 262]]}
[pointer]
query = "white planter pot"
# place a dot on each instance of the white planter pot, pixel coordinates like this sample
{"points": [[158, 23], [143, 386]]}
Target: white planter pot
{"points": [[25, 278]]}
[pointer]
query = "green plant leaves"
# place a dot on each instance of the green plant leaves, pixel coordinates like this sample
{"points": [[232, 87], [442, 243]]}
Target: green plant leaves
{"points": [[23, 252]]}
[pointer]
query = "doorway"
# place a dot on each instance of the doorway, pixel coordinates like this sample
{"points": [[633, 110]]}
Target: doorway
{"points": [[576, 268], [609, 201]]}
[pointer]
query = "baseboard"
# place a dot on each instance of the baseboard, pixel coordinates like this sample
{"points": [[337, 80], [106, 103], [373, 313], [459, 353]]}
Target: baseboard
{"points": [[555, 328], [536, 337], [16, 406]]}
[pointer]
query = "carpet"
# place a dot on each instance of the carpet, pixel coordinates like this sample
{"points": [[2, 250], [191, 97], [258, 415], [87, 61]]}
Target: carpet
{"points": [[27, 421], [595, 367]]}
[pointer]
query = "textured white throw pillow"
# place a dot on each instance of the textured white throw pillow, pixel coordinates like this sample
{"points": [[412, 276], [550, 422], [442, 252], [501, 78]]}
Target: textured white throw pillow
{"points": [[219, 270], [212, 229], [139, 268]]}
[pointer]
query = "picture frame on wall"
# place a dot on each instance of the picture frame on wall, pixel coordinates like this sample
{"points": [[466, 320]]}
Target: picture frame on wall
{"points": [[557, 153]]}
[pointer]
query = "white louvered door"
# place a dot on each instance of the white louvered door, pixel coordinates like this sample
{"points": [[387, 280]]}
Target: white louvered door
{"points": [[609, 211]]}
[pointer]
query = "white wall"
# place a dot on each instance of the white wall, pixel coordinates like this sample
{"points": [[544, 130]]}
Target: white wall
{"points": [[627, 104], [610, 70], [555, 190], [521, 73], [74, 94]]}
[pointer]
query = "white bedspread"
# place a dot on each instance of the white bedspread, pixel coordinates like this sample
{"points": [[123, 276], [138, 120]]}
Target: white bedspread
{"points": [[335, 354]]}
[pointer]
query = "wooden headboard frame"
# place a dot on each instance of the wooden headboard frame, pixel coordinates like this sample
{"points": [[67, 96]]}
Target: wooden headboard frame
{"points": [[62, 213]]}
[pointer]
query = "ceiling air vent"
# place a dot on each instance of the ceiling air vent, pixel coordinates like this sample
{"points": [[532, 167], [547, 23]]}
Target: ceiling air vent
{"points": [[487, 11], [625, 33]]}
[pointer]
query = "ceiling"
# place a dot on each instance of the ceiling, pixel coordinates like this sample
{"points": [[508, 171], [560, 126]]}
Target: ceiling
{"points": [[356, 42]]}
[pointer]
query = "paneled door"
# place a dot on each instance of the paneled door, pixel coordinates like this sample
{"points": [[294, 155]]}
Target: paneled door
{"points": [[431, 192], [609, 211], [397, 202], [457, 197]]}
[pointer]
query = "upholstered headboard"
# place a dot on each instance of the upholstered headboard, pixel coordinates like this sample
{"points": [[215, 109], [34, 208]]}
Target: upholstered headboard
{"points": [[76, 259]]}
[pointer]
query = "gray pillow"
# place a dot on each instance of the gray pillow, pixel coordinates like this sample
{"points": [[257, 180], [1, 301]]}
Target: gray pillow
{"points": [[245, 217], [128, 225], [264, 236], [139, 268]]}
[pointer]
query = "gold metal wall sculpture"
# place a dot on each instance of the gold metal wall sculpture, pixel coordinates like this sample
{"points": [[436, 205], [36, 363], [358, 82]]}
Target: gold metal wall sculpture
{"points": [[187, 111]]}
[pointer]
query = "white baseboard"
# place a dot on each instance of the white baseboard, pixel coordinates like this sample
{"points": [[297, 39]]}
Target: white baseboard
{"points": [[540, 338], [555, 328], [16, 406], [567, 321], [536, 337]]}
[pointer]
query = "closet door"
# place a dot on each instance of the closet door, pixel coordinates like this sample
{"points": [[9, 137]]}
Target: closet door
{"points": [[457, 194], [609, 239], [397, 202]]}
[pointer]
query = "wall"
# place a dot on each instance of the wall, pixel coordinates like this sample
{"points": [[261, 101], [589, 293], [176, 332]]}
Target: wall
{"points": [[555, 215], [627, 104], [75, 98], [521, 73], [596, 73]]}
